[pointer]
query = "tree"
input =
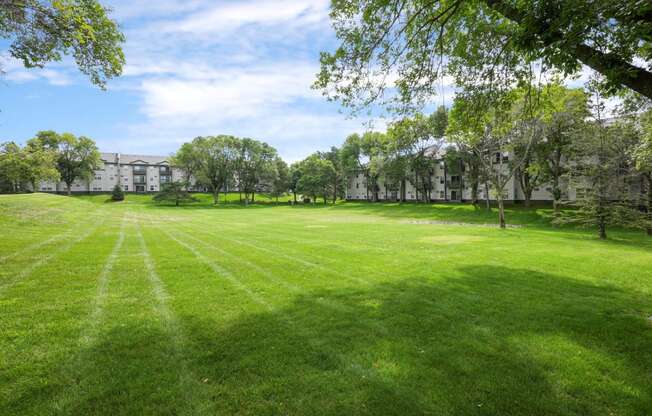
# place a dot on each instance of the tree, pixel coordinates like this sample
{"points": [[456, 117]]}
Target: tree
{"points": [[41, 31], [188, 159], [316, 178], [335, 157], [77, 157], [12, 165], [174, 191], [417, 43], [40, 163], [417, 140], [253, 163], [564, 114], [643, 157], [117, 194], [295, 176], [493, 131], [602, 173], [281, 180], [213, 161]]}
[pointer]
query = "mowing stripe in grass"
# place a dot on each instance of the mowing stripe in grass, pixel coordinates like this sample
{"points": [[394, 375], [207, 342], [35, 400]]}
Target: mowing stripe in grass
{"points": [[27, 271], [305, 333], [296, 259], [221, 271], [270, 276], [90, 331], [69, 231], [100, 296], [187, 379]]}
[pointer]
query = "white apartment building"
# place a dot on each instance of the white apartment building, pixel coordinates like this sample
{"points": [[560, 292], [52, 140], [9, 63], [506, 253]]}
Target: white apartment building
{"points": [[134, 173], [451, 187]]}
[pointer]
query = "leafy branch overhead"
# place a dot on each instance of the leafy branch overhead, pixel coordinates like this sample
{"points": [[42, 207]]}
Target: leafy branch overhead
{"points": [[412, 45], [41, 31]]}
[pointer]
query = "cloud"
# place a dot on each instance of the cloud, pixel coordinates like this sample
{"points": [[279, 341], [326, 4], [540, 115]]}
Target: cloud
{"points": [[228, 17], [14, 71]]}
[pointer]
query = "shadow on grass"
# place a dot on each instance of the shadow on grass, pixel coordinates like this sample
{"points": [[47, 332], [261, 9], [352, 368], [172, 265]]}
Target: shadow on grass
{"points": [[493, 341], [490, 340]]}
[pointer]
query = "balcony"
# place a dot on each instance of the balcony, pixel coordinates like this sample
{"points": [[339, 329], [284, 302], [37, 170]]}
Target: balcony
{"points": [[165, 170], [140, 179], [140, 170], [165, 178]]}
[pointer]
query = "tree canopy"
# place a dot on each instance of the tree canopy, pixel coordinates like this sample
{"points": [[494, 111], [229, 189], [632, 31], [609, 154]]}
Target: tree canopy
{"points": [[41, 31], [412, 45]]}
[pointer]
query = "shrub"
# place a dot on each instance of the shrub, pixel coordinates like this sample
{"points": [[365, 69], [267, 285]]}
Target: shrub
{"points": [[117, 194]]}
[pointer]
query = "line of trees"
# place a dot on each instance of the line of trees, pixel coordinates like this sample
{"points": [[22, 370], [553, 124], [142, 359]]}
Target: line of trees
{"points": [[49, 156], [222, 163], [535, 134]]}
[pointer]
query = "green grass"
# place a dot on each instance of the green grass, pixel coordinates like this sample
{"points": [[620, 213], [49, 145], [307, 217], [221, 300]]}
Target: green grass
{"points": [[135, 308]]}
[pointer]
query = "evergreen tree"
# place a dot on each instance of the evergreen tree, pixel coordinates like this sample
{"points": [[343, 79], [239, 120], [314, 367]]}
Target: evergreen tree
{"points": [[117, 194]]}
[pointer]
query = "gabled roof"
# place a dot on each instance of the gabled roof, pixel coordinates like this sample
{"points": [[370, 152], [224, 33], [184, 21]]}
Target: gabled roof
{"points": [[143, 159]]}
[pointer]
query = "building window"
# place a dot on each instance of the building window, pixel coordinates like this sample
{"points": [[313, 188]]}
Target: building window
{"points": [[441, 180], [98, 177], [151, 188], [126, 187]]}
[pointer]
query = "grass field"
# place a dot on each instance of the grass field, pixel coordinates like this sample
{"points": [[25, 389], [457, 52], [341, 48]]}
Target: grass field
{"points": [[133, 308]]}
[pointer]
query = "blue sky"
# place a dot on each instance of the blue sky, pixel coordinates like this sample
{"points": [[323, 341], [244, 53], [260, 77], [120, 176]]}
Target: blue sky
{"points": [[194, 67]]}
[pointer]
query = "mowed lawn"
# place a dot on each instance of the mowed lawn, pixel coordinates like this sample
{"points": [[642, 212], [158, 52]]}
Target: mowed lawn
{"points": [[132, 308]]}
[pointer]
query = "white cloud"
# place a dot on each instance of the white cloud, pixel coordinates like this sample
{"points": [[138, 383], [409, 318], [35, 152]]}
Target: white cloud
{"points": [[13, 70], [227, 17], [235, 93]]}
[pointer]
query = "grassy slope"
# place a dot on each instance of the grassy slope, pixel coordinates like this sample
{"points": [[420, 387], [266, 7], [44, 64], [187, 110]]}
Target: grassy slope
{"points": [[146, 309]]}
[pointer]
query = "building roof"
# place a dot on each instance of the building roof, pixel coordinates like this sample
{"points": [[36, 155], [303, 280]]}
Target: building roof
{"points": [[127, 159]]}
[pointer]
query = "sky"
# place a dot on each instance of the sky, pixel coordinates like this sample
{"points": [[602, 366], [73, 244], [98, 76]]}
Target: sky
{"points": [[194, 67]]}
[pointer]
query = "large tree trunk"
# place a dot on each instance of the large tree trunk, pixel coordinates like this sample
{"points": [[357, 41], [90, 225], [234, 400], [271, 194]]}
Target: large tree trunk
{"points": [[295, 196], [474, 193], [216, 196], [486, 196], [501, 211], [528, 197], [68, 189]]}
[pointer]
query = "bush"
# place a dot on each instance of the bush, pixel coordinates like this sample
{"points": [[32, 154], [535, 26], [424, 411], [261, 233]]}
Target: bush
{"points": [[117, 194]]}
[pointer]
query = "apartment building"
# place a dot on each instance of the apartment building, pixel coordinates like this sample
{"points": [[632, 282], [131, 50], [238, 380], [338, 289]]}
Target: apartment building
{"points": [[134, 173], [449, 185]]}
